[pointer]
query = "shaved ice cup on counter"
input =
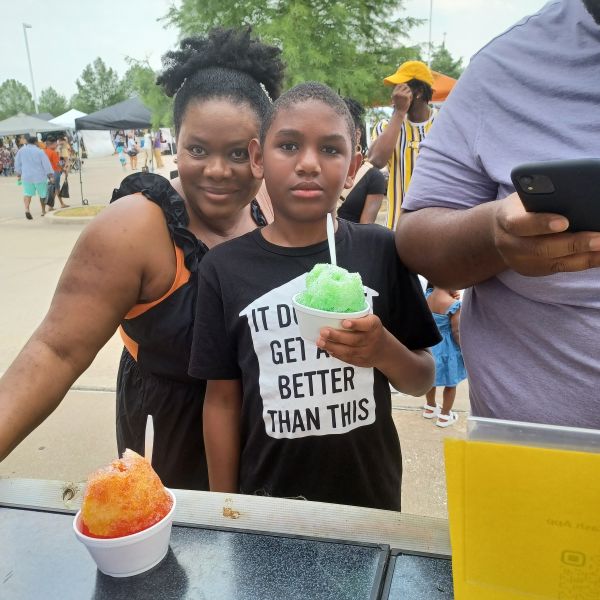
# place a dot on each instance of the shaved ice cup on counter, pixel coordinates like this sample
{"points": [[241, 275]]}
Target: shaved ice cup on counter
{"points": [[126, 496], [332, 295]]}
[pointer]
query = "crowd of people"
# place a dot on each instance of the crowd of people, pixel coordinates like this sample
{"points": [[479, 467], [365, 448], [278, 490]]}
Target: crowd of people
{"points": [[198, 272], [136, 143]]}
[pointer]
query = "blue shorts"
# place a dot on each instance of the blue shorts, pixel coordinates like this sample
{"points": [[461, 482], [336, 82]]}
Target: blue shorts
{"points": [[31, 189]]}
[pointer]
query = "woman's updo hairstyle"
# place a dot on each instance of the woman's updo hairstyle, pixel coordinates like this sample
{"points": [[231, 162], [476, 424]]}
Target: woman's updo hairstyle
{"points": [[227, 63]]}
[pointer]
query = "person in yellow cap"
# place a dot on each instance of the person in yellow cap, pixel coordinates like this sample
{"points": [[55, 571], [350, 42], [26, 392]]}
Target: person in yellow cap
{"points": [[396, 142]]}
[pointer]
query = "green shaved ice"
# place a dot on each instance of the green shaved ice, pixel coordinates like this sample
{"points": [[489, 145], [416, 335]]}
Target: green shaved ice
{"points": [[333, 289]]}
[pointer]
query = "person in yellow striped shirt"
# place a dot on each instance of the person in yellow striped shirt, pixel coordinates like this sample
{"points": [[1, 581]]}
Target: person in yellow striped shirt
{"points": [[396, 142]]}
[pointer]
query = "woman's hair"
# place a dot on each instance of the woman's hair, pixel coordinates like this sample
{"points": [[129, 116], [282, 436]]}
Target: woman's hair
{"points": [[357, 111], [304, 92], [227, 63]]}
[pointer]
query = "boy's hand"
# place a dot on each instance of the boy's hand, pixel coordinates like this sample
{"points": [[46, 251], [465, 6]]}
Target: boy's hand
{"points": [[359, 344]]}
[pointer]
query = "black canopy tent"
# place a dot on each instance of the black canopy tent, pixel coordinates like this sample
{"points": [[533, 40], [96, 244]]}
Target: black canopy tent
{"points": [[129, 114]]}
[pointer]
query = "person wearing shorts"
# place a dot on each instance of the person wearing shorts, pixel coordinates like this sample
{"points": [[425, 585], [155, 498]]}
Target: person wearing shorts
{"points": [[33, 170]]}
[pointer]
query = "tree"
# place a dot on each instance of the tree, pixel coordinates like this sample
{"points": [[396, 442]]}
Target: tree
{"points": [[349, 45], [98, 88], [442, 62], [14, 98], [140, 80], [53, 102]]}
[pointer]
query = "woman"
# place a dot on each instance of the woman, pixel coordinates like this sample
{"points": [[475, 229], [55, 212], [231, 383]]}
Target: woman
{"points": [[132, 150], [362, 202], [135, 265]]}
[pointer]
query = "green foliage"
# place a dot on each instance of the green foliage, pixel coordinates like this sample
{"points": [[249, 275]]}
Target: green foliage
{"points": [[53, 102], [98, 88], [140, 80], [14, 98], [351, 45], [442, 62]]}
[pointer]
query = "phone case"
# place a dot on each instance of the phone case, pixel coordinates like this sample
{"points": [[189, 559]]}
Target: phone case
{"points": [[566, 187]]}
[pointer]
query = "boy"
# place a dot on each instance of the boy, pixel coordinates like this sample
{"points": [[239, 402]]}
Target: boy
{"points": [[283, 416]]}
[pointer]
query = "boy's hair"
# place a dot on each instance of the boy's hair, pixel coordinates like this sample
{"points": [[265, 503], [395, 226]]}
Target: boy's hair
{"points": [[303, 92], [50, 139], [227, 63]]}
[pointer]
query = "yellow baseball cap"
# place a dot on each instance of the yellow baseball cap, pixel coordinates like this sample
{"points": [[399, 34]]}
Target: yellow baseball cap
{"points": [[411, 69]]}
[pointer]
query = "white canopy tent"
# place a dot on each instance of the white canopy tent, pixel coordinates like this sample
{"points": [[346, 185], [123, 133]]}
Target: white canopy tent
{"points": [[67, 120], [20, 124], [97, 143]]}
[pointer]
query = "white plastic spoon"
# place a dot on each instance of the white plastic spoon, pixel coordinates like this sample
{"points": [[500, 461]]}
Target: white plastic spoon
{"points": [[149, 439], [331, 239]]}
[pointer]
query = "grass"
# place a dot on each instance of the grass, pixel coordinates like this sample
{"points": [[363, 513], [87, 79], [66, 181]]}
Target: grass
{"points": [[80, 211]]}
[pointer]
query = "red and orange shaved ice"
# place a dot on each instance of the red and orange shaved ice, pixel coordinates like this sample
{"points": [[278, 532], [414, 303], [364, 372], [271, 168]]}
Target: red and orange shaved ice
{"points": [[123, 498]]}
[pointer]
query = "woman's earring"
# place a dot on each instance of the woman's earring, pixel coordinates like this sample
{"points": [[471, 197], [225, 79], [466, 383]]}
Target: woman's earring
{"points": [[358, 148]]}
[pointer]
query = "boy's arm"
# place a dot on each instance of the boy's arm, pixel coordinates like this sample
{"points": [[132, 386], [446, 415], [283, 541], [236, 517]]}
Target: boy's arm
{"points": [[366, 343], [221, 417]]}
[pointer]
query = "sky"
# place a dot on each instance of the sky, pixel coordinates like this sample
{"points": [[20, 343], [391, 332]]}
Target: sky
{"points": [[68, 35]]}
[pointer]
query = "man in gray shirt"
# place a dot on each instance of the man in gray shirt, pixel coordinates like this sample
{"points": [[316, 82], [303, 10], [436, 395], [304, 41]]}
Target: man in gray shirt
{"points": [[34, 171], [531, 322]]}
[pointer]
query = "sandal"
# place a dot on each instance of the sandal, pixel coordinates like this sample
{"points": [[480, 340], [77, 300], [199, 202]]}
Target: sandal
{"points": [[28, 215], [430, 412], [447, 420]]}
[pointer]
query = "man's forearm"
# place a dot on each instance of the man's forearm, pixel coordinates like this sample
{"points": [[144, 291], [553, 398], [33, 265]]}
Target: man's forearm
{"points": [[452, 248]]}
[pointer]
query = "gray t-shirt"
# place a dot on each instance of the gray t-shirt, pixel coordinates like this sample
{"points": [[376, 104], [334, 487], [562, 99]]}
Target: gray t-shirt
{"points": [[530, 343]]}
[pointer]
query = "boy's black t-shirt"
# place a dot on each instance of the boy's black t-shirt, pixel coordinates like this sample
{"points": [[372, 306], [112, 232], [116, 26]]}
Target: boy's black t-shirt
{"points": [[312, 426]]}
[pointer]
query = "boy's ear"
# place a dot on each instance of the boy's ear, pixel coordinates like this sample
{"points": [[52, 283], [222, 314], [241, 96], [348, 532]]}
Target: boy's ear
{"points": [[256, 158], [354, 166]]}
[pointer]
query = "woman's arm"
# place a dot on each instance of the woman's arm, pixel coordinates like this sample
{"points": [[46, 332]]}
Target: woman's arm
{"points": [[222, 410], [101, 281], [371, 208]]}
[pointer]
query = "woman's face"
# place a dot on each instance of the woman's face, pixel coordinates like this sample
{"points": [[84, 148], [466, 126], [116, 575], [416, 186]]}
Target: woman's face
{"points": [[212, 158]]}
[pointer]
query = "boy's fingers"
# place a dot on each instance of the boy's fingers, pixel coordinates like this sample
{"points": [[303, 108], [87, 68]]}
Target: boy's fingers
{"points": [[339, 337]]}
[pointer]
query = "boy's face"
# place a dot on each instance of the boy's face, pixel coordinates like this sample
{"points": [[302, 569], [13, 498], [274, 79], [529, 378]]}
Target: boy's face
{"points": [[307, 159]]}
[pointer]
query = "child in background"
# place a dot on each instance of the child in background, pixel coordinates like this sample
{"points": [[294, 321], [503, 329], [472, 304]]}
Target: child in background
{"points": [[120, 151], [283, 416], [449, 366]]}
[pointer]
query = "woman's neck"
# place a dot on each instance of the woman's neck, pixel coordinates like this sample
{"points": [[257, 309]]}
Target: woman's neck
{"points": [[216, 231]]}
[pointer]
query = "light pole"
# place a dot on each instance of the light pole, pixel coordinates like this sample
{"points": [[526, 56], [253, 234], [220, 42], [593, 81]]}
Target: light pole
{"points": [[430, 19], [35, 103]]}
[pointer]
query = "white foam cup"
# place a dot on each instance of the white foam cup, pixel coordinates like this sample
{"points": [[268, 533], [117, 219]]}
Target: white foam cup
{"points": [[130, 554], [312, 320]]}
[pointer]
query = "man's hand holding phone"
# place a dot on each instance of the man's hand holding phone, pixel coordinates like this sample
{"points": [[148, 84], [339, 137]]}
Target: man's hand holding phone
{"points": [[536, 244]]}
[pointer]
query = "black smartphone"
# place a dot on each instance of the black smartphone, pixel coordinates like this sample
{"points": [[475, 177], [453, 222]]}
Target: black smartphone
{"points": [[566, 187]]}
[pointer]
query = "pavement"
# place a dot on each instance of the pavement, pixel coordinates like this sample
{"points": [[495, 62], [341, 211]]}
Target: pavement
{"points": [[79, 436]]}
